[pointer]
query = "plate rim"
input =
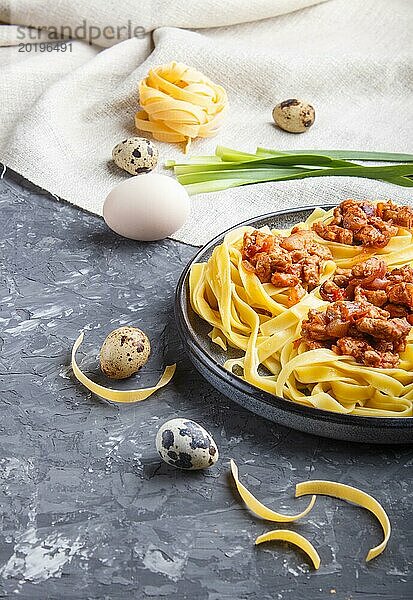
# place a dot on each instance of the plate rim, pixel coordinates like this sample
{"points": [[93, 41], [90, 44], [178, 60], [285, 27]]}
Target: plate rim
{"points": [[277, 402]]}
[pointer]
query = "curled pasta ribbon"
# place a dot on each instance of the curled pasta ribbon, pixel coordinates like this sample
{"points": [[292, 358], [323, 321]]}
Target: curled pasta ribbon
{"points": [[351, 494], [259, 509], [179, 104], [124, 396], [286, 535]]}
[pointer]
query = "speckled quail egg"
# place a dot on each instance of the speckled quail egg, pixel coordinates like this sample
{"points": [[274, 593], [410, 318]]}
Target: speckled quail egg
{"points": [[124, 352], [135, 155], [186, 445], [294, 115]]}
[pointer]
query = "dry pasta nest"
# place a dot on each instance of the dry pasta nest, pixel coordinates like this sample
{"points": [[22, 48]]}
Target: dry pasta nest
{"points": [[179, 104]]}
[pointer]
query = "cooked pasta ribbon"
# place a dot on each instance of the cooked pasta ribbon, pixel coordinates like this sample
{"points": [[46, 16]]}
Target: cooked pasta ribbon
{"points": [[354, 495], [259, 509], [122, 396], [261, 323], [179, 104], [286, 535]]}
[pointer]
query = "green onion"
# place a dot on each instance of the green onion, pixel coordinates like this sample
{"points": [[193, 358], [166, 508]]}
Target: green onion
{"points": [[345, 154], [233, 155], [289, 161], [232, 168], [212, 186], [245, 175]]}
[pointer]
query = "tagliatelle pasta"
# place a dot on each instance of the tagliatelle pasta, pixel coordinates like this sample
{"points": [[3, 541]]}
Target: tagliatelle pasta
{"points": [[122, 396], [315, 487], [354, 495], [263, 512], [179, 104], [260, 509], [258, 320], [286, 535]]}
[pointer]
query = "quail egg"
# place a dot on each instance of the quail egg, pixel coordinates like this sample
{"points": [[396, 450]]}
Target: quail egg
{"points": [[135, 155], [186, 445], [294, 115], [124, 352]]}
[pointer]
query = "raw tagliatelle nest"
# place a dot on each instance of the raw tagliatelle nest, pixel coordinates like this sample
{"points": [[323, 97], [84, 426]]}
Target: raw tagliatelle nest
{"points": [[179, 104]]}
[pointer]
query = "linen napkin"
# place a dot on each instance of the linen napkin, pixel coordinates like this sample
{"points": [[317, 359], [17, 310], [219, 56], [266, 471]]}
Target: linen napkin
{"points": [[62, 112]]}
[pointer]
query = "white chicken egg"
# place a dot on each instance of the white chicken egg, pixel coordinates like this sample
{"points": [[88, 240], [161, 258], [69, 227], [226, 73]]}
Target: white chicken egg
{"points": [[147, 207], [186, 445]]}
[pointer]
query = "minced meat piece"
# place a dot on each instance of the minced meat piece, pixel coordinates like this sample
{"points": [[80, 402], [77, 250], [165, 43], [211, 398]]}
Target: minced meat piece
{"points": [[310, 271], [403, 274], [391, 330], [370, 236], [396, 310], [265, 264], [365, 354], [257, 242], [359, 329], [334, 233], [371, 268], [365, 223], [294, 261], [298, 240], [371, 281], [314, 327], [284, 279], [399, 215], [376, 297], [384, 226], [401, 293]]}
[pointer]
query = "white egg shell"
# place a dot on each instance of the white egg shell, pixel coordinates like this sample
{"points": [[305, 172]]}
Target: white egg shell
{"points": [[186, 445], [147, 207]]}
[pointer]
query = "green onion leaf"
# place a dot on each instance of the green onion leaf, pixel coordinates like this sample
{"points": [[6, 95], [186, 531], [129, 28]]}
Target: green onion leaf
{"points": [[232, 168], [344, 154]]}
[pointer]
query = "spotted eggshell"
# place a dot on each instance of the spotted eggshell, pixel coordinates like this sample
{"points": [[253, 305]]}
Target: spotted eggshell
{"points": [[124, 352], [186, 445], [135, 155]]}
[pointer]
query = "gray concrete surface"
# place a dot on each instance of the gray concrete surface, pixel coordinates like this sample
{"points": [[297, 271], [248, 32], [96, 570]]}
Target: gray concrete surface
{"points": [[87, 509]]}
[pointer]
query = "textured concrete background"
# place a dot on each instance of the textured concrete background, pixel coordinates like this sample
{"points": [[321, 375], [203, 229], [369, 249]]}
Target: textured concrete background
{"points": [[88, 511]]}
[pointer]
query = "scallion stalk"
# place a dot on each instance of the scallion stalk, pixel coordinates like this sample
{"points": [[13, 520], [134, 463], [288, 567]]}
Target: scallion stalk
{"points": [[344, 154], [232, 168]]}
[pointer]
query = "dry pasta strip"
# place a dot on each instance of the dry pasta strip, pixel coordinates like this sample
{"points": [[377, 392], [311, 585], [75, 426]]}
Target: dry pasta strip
{"points": [[179, 104], [286, 535], [259, 509], [351, 494], [123, 396]]}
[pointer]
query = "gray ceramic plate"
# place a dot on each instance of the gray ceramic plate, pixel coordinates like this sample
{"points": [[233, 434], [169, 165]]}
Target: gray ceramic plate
{"points": [[208, 358]]}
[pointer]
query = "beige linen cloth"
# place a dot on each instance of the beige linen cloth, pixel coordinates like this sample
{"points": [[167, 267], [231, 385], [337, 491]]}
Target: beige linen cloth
{"points": [[62, 112]]}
